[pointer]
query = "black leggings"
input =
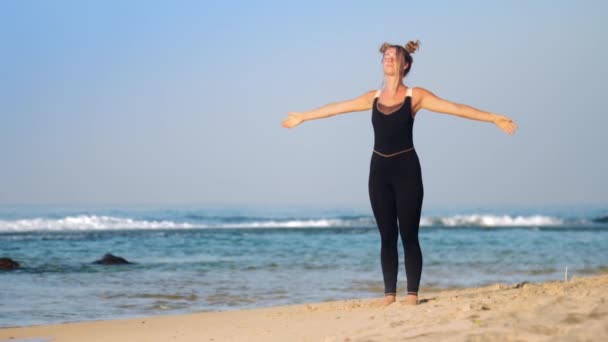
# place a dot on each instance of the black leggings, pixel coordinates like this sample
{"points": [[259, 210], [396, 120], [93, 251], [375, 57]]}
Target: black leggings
{"points": [[396, 192]]}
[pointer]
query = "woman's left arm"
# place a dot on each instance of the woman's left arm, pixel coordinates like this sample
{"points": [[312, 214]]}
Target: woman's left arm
{"points": [[430, 101]]}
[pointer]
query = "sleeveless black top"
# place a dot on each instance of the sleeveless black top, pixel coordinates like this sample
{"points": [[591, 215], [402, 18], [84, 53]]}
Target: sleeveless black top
{"points": [[393, 128]]}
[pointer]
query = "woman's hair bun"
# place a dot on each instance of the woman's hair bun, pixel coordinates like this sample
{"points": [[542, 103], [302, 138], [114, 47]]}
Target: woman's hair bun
{"points": [[385, 46], [412, 46]]}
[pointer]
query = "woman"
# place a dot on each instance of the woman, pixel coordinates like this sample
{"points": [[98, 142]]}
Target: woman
{"points": [[395, 179]]}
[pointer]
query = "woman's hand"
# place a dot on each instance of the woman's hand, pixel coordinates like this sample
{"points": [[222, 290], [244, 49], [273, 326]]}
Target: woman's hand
{"points": [[505, 123], [293, 119]]}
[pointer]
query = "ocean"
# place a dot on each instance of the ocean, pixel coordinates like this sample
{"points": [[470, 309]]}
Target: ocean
{"points": [[203, 258]]}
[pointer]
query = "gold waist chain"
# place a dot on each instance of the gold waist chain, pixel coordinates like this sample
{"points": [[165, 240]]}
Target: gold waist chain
{"points": [[390, 155]]}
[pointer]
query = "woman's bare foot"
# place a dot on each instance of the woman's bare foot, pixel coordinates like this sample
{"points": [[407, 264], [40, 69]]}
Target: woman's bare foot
{"points": [[389, 299], [411, 299], [386, 301]]}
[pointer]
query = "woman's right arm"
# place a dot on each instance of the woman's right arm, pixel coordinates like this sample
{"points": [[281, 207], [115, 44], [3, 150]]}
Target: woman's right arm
{"points": [[361, 103]]}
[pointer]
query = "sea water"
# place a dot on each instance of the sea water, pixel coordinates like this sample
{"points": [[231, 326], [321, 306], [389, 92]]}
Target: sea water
{"points": [[197, 258]]}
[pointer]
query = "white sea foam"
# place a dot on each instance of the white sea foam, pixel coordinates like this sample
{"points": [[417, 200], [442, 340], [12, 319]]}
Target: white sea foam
{"points": [[86, 222], [100, 222], [94, 222], [493, 221]]}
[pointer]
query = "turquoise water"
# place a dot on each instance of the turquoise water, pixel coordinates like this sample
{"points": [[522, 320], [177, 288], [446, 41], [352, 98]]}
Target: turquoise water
{"points": [[197, 259]]}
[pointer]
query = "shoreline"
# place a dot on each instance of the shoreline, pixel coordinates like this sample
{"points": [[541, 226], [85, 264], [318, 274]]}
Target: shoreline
{"points": [[572, 310]]}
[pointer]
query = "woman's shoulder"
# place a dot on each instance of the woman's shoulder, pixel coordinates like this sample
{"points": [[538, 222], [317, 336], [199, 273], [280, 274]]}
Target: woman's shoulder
{"points": [[371, 95], [418, 94], [420, 91]]}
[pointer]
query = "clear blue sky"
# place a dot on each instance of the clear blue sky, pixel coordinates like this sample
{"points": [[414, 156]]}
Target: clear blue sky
{"points": [[181, 102]]}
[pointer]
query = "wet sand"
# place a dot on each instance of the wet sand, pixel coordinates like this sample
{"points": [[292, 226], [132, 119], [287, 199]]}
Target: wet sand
{"points": [[573, 310]]}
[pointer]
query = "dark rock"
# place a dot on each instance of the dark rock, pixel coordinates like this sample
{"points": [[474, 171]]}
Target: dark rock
{"points": [[8, 264], [110, 259]]}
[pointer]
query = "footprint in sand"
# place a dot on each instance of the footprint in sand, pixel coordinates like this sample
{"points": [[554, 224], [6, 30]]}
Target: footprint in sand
{"points": [[396, 324]]}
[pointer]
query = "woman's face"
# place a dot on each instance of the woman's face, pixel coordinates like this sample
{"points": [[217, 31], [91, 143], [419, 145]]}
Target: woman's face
{"points": [[390, 63]]}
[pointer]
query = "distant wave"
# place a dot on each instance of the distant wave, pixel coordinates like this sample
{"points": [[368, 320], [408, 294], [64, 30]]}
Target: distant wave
{"points": [[493, 221], [94, 222], [87, 222], [100, 222]]}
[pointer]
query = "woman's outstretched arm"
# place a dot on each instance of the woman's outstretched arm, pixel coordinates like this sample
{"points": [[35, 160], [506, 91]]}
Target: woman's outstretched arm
{"points": [[361, 103], [430, 101]]}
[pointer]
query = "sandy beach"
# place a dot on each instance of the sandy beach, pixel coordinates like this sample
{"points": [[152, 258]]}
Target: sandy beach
{"points": [[573, 310]]}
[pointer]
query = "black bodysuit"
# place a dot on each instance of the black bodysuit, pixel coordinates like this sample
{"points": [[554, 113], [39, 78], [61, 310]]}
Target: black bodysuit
{"points": [[396, 191]]}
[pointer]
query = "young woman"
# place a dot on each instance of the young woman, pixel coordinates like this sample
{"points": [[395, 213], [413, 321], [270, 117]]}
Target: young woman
{"points": [[395, 179]]}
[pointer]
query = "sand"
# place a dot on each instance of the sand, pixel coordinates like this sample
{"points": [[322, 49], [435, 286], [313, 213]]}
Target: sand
{"points": [[573, 310]]}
